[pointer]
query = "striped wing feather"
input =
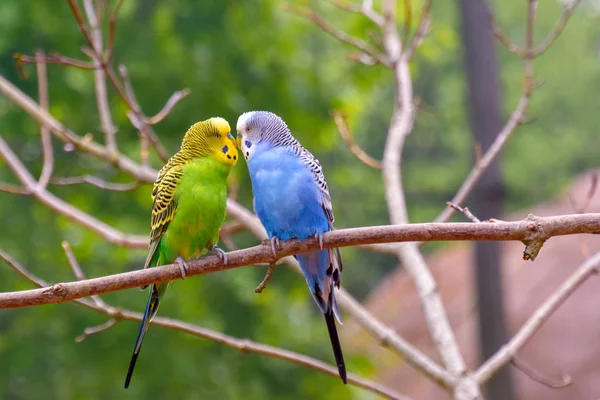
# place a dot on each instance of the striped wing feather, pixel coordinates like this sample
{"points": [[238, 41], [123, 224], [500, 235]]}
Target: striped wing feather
{"points": [[164, 206]]}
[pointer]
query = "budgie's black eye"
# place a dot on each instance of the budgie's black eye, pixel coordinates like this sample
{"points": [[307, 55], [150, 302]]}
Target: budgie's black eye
{"points": [[247, 129], [218, 136]]}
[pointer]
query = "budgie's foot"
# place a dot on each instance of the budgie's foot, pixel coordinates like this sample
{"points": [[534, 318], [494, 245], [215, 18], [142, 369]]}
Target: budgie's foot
{"points": [[182, 266], [319, 237], [275, 245], [217, 251], [267, 278]]}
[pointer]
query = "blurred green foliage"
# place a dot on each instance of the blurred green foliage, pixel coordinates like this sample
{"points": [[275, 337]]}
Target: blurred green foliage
{"points": [[236, 56]]}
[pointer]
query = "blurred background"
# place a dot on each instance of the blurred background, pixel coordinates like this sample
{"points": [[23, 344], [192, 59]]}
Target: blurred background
{"points": [[238, 56]]}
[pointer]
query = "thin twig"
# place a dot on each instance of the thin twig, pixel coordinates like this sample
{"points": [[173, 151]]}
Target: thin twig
{"points": [[139, 121], [467, 213], [13, 189], [121, 162], [422, 31], [490, 155], [53, 58], [338, 33], [44, 130], [538, 377], [585, 203], [77, 268], [534, 323], [168, 107], [112, 27], [95, 181], [366, 8], [87, 332], [106, 123], [266, 279], [62, 207], [545, 44], [558, 29], [340, 121]]}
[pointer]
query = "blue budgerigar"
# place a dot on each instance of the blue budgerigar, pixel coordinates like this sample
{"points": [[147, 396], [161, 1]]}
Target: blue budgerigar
{"points": [[291, 200]]}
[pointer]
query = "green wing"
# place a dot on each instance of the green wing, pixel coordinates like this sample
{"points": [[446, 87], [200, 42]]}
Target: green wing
{"points": [[164, 206]]}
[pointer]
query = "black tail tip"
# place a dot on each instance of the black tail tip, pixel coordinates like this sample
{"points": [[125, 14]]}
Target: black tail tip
{"points": [[342, 371], [130, 370]]}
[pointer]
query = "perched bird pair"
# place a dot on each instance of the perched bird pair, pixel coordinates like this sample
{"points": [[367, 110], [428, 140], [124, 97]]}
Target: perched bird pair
{"points": [[291, 200]]}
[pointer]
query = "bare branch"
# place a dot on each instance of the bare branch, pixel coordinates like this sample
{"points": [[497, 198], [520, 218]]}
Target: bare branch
{"points": [[54, 58], [13, 189], [535, 322], [545, 227], [60, 206], [584, 204], [140, 173], [21, 270], [77, 269], [44, 131], [490, 155], [366, 8], [541, 48], [467, 213], [112, 26], [536, 376], [338, 33], [169, 105], [244, 345], [340, 121], [140, 122], [266, 279], [95, 181], [107, 126], [422, 31], [560, 26], [87, 332], [400, 126]]}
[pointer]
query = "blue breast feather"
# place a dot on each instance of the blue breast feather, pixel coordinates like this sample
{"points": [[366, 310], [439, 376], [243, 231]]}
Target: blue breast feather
{"points": [[286, 195]]}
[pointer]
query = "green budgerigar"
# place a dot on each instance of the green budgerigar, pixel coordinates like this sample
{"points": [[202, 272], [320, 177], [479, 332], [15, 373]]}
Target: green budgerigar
{"points": [[190, 195]]}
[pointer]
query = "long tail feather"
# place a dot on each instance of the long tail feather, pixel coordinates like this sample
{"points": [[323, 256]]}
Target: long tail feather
{"points": [[151, 309], [335, 343]]}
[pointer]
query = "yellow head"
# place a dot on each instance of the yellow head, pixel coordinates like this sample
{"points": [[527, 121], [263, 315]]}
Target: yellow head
{"points": [[210, 138]]}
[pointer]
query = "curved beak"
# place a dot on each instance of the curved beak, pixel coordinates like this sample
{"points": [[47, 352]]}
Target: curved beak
{"points": [[230, 149], [238, 140]]}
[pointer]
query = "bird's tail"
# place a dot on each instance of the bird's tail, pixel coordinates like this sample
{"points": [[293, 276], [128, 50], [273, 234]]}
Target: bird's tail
{"points": [[322, 270], [151, 309], [335, 343]]}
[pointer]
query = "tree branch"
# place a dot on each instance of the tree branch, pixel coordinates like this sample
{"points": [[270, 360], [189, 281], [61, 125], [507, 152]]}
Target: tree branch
{"points": [[545, 227], [338, 33], [244, 345], [590, 267], [128, 166], [107, 125], [47, 150], [408, 253], [62, 207], [340, 121]]}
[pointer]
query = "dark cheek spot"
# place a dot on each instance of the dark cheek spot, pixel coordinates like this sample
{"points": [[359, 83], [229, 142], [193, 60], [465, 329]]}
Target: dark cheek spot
{"points": [[225, 149], [228, 156], [235, 157], [248, 143], [247, 154]]}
